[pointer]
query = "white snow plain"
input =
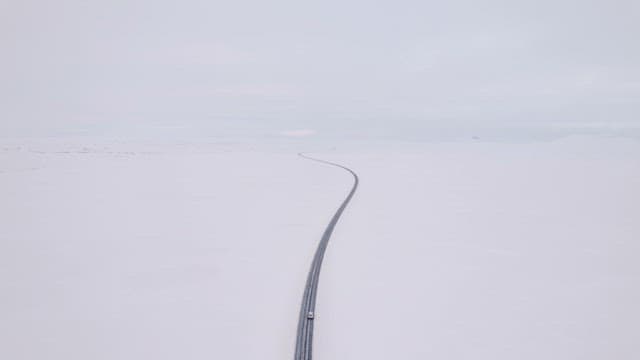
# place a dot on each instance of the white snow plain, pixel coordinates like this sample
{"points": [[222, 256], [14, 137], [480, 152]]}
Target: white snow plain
{"points": [[200, 251]]}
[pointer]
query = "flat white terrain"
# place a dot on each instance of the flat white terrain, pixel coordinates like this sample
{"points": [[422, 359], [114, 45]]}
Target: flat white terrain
{"points": [[200, 251]]}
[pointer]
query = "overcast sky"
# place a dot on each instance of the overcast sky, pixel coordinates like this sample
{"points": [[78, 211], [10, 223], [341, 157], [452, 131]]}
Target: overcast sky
{"points": [[407, 68]]}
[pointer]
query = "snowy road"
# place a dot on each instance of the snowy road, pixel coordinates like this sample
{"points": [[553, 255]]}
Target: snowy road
{"points": [[470, 250], [304, 339]]}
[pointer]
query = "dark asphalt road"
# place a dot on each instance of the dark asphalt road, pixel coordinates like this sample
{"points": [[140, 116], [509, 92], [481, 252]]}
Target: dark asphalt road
{"points": [[304, 340]]}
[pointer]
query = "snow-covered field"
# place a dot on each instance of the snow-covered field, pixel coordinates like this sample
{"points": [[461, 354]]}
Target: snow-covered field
{"points": [[200, 250]]}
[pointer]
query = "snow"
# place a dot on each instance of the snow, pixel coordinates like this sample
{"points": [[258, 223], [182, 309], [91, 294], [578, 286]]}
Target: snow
{"points": [[487, 251], [129, 250], [156, 252]]}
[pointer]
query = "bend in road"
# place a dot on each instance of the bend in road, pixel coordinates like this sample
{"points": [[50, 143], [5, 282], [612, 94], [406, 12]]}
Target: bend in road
{"points": [[304, 338]]}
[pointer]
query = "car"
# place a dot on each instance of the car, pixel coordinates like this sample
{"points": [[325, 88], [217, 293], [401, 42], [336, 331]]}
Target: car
{"points": [[310, 315]]}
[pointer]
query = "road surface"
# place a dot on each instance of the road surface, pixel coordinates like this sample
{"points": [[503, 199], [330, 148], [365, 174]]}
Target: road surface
{"points": [[304, 340]]}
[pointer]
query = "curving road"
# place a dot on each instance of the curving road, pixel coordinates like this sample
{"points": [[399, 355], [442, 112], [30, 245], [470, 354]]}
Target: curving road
{"points": [[304, 340]]}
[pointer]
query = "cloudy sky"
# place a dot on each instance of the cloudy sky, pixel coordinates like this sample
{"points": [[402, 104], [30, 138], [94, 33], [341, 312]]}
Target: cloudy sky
{"points": [[361, 68]]}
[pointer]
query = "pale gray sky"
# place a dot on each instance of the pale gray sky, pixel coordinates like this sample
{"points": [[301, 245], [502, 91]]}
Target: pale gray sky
{"points": [[406, 68]]}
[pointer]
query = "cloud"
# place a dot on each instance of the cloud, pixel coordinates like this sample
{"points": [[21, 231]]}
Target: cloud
{"points": [[298, 133], [597, 125]]}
